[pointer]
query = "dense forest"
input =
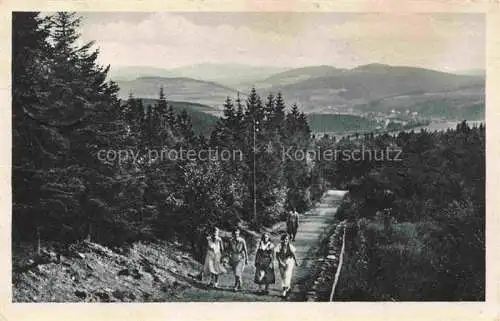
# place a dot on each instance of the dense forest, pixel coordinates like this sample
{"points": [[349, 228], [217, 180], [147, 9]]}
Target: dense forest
{"points": [[417, 219], [66, 115], [416, 227], [203, 122]]}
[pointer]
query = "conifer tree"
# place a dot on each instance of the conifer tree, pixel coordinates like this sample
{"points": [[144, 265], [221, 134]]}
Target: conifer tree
{"points": [[185, 128], [74, 111], [226, 129], [269, 109], [170, 116], [29, 107], [239, 123]]}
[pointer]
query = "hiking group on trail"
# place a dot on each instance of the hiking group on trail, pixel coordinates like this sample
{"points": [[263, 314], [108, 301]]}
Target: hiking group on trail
{"points": [[219, 259]]}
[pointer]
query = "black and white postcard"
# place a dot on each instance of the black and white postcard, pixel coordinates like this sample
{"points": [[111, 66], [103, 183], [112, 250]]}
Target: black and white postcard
{"points": [[263, 153]]}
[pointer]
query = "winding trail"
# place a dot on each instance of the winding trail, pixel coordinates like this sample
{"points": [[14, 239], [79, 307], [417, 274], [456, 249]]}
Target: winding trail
{"points": [[312, 228]]}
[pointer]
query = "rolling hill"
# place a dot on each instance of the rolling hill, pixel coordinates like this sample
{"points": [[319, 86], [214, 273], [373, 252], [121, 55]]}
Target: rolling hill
{"points": [[297, 75], [373, 88], [472, 72], [178, 89], [231, 75], [120, 74], [382, 88]]}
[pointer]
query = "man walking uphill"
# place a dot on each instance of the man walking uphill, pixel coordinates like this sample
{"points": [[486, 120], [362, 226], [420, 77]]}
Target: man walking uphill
{"points": [[292, 224]]}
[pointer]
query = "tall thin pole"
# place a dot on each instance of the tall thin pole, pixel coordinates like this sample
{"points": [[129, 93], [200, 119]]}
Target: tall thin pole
{"points": [[254, 175]]}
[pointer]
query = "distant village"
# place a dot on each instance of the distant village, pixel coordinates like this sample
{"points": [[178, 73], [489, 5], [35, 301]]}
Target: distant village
{"points": [[393, 121], [406, 118]]}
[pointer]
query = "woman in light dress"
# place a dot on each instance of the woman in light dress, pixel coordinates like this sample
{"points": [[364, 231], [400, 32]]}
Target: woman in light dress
{"points": [[238, 257], [285, 255], [213, 265], [264, 264]]}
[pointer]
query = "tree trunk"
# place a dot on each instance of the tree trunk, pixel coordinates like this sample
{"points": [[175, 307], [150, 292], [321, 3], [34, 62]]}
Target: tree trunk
{"points": [[89, 234], [39, 246]]}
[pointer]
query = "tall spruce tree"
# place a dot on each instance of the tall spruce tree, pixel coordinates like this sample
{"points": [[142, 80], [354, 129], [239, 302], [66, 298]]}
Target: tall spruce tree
{"points": [[75, 114], [30, 87], [279, 114]]}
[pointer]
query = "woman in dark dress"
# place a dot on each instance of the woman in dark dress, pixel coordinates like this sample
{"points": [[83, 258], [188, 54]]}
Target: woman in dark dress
{"points": [[264, 264]]}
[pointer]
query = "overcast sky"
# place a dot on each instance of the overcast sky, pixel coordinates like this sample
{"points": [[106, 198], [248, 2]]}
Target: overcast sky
{"points": [[439, 41]]}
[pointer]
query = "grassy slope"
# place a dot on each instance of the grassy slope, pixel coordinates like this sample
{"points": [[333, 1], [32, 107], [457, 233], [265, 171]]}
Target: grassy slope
{"points": [[147, 272], [92, 274]]}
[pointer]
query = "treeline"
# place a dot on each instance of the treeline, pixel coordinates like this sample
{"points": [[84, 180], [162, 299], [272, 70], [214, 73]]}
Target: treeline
{"points": [[418, 221], [67, 118], [340, 123]]}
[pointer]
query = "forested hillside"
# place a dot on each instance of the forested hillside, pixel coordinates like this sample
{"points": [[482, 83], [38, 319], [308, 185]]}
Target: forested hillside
{"points": [[383, 88], [201, 115], [89, 166], [417, 213], [340, 123]]}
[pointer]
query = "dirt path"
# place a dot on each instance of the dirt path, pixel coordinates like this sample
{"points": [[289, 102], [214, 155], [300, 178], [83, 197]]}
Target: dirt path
{"points": [[312, 226]]}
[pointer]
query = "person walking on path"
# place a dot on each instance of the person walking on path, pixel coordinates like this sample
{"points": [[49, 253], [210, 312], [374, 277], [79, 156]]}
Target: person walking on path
{"points": [[213, 265], [285, 255], [292, 223], [264, 264], [238, 257]]}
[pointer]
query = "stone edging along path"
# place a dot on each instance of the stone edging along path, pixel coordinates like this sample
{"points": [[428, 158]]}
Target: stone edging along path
{"points": [[319, 266], [323, 281], [324, 272]]}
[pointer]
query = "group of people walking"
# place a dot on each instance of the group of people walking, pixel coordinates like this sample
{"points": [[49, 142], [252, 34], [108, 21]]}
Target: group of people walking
{"points": [[236, 257]]}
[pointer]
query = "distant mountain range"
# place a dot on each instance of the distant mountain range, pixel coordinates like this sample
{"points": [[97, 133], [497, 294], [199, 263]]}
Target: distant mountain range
{"points": [[232, 75], [472, 72], [178, 89], [296, 75], [383, 88], [325, 89]]}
